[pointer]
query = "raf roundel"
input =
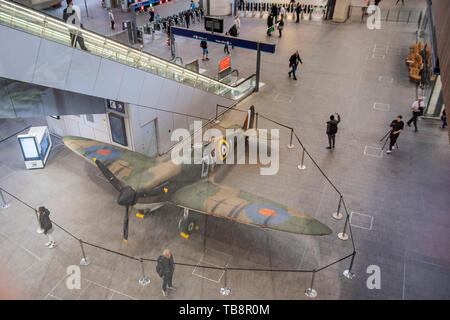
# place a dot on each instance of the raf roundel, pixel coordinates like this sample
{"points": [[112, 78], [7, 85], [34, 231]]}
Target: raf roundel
{"points": [[102, 153], [266, 214], [224, 148]]}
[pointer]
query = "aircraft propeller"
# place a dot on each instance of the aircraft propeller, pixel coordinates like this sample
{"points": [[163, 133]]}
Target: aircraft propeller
{"points": [[127, 197]]}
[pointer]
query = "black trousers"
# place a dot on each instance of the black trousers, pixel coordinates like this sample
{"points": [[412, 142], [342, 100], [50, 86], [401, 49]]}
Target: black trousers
{"points": [[331, 139], [414, 119], [393, 138], [298, 17], [77, 39], [226, 50], [167, 280], [112, 24]]}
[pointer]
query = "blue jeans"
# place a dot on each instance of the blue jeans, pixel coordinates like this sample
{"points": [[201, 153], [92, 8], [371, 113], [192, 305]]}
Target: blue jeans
{"points": [[293, 69]]}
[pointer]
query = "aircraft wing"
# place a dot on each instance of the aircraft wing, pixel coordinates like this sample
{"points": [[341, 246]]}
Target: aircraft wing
{"points": [[134, 169], [209, 197]]}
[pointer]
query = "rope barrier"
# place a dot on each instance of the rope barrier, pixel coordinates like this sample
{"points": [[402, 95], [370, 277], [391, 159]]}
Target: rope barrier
{"points": [[179, 263]]}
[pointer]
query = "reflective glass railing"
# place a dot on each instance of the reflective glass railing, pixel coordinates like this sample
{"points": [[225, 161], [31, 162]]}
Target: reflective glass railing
{"points": [[34, 22]]}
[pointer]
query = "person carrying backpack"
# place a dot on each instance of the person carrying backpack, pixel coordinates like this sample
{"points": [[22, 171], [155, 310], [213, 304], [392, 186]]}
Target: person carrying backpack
{"points": [[332, 128], [165, 267], [204, 46], [72, 16]]}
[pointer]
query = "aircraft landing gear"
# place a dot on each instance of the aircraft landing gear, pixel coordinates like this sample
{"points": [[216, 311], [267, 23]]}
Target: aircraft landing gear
{"points": [[186, 224]]}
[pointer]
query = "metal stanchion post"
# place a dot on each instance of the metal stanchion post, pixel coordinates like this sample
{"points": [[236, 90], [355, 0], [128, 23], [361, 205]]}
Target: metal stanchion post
{"points": [[338, 215], [225, 290], [342, 235], [301, 166], [348, 273], [256, 124], [290, 145], [3, 201], [143, 281], [217, 113], [85, 261], [311, 292]]}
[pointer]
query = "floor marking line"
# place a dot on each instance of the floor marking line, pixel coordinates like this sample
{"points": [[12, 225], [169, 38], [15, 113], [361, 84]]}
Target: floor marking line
{"points": [[31, 253], [100, 285]]}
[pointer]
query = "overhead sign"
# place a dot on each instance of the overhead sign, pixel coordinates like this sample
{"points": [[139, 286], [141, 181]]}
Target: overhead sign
{"points": [[224, 64], [214, 24], [225, 40]]}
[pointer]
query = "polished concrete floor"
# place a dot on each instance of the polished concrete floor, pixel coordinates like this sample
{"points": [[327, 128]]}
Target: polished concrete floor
{"points": [[398, 203]]}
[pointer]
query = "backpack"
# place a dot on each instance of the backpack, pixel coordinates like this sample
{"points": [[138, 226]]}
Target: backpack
{"points": [[65, 15], [159, 266], [203, 44]]}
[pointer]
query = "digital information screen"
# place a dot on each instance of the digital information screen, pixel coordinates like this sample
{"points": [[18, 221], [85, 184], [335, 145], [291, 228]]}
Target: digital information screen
{"points": [[29, 148]]}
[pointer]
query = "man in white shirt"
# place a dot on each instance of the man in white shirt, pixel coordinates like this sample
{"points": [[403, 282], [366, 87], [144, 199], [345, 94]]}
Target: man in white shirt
{"points": [[237, 22], [111, 18], [417, 110], [283, 11], [72, 16]]}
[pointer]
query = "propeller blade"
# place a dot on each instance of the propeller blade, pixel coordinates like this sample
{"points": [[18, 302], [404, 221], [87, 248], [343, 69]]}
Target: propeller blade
{"points": [[117, 184], [125, 225]]}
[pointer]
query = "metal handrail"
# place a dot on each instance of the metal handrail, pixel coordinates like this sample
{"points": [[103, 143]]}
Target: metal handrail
{"points": [[34, 22]]}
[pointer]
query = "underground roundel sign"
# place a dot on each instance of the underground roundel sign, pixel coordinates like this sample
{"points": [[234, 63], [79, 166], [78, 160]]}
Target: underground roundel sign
{"points": [[224, 148], [102, 153], [266, 214]]}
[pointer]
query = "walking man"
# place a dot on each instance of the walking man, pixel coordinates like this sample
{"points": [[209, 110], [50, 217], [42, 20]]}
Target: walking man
{"points": [[72, 16], [280, 25], [332, 128], [396, 127], [417, 109], [293, 63], [269, 24], [46, 224], [298, 8], [165, 267], [187, 18], [111, 18]]}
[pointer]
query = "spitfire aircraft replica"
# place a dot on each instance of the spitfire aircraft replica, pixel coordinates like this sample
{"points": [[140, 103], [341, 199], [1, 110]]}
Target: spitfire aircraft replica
{"points": [[148, 183]]}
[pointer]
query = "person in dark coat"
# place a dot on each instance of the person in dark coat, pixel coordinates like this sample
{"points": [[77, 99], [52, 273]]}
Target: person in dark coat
{"points": [[168, 267], [232, 32], [298, 10], [274, 12], [46, 224], [269, 24], [293, 63], [280, 25], [332, 129], [396, 127]]}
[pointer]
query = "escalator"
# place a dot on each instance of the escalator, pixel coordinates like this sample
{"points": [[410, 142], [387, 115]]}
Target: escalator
{"points": [[37, 49]]}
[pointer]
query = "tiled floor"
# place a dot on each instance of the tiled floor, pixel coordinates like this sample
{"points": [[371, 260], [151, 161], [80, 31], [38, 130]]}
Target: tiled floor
{"points": [[400, 201]]}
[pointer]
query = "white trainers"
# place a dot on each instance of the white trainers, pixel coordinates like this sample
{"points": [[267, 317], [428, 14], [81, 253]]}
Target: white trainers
{"points": [[164, 293], [172, 288], [52, 245], [389, 151], [48, 243]]}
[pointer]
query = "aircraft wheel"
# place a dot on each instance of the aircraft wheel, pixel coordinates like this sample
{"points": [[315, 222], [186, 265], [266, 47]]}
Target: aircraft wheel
{"points": [[187, 225]]}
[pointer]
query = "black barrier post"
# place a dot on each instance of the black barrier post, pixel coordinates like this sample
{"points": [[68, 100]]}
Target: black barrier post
{"points": [[290, 145], [301, 166], [143, 281], [85, 261], [311, 292], [256, 120], [342, 235], [258, 66], [338, 215], [348, 273]]}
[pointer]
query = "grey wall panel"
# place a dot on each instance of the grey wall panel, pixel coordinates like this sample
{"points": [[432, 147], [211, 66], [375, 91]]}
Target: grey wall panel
{"points": [[180, 121], [151, 90], [168, 95], [183, 99], [109, 79], [18, 52], [130, 88], [83, 72], [146, 115], [52, 64], [164, 125]]}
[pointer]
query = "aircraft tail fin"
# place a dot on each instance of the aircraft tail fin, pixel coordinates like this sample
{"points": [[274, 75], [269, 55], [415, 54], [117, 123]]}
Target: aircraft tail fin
{"points": [[249, 119]]}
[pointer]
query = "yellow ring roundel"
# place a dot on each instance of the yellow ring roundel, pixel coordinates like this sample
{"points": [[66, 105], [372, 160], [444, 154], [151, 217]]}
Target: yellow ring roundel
{"points": [[224, 148]]}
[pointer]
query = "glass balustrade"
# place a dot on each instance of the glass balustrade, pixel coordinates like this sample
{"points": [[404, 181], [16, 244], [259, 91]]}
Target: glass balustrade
{"points": [[36, 23]]}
